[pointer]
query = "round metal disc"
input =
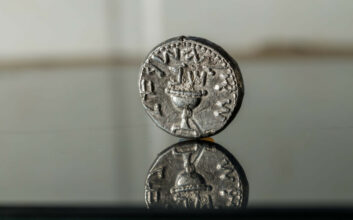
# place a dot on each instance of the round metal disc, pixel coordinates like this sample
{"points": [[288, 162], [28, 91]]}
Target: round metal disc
{"points": [[196, 174], [190, 87]]}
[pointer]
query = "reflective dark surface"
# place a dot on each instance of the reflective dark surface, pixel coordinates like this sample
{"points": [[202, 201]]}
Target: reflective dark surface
{"points": [[196, 174], [79, 135]]}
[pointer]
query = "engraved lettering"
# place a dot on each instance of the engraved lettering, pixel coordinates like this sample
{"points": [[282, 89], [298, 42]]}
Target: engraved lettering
{"points": [[152, 190], [228, 83], [154, 69], [166, 55], [147, 88], [152, 195], [149, 70], [191, 53], [224, 110], [187, 175], [234, 197], [157, 59], [176, 53], [159, 172], [155, 110], [228, 170], [196, 76]]}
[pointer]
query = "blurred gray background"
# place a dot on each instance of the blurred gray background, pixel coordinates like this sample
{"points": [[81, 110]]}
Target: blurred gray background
{"points": [[73, 130]]}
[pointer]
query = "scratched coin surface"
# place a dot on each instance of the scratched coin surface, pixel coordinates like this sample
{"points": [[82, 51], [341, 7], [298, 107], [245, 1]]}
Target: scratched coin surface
{"points": [[196, 174], [190, 87]]}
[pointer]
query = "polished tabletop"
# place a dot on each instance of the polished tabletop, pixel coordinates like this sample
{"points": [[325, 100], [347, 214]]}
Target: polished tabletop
{"points": [[79, 135]]}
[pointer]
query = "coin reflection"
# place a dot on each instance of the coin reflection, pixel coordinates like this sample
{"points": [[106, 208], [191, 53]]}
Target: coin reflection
{"points": [[196, 174]]}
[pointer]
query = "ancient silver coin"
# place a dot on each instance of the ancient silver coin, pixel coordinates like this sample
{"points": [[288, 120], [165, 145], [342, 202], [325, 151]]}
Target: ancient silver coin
{"points": [[190, 87], [196, 174]]}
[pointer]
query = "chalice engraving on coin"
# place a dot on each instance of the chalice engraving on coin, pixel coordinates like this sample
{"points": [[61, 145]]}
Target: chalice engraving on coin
{"points": [[196, 174], [190, 87]]}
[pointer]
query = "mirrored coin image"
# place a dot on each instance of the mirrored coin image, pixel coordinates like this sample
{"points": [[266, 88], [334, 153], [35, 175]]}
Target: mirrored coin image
{"points": [[196, 174], [190, 87]]}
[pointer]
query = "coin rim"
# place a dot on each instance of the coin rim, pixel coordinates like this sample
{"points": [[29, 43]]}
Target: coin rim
{"points": [[234, 65]]}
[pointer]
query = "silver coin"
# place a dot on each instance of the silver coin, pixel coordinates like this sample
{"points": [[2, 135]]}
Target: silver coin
{"points": [[190, 87], [196, 174]]}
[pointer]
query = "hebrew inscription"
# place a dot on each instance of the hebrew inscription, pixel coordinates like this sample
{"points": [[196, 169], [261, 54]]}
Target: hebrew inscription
{"points": [[195, 83]]}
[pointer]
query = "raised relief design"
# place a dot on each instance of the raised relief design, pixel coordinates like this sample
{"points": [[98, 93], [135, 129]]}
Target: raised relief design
{"points": [[190, 189], [223, 110], [150, 68], [185, 149], [227, 169], [147, 88], [228, 83], [186, 87], [234, 197], [152, 195], [156, 110], [152, 190], [189, 78], [196, 174]]}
